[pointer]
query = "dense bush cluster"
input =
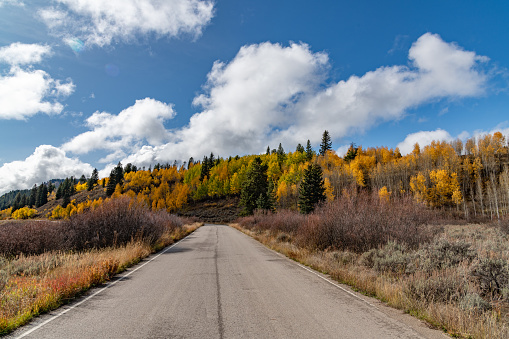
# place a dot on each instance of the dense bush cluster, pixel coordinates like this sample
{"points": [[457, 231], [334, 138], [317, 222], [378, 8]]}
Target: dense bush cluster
{"points": [[115, 222], [357, 222]]}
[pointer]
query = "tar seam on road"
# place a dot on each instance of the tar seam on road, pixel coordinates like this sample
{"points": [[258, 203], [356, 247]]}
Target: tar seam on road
{"points": [[218, 286], [96, 293]]}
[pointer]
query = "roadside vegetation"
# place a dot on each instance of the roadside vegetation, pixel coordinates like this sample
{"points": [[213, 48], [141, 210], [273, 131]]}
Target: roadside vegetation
{"points": [[44, 264]]}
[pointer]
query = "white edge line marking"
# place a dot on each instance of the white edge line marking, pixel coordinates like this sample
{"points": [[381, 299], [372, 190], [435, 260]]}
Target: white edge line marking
{"points": [[108, 285]]}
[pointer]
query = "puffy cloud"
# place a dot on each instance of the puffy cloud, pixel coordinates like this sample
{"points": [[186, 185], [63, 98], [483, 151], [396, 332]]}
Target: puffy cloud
{"points": [[23, 54], [269, 94], [24, 93], [142, 121], [423, 138], [99, 22], [47, 162]]}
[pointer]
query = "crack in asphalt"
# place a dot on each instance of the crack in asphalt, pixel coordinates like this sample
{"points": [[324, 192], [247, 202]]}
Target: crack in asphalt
{"points": [[218, 287]]}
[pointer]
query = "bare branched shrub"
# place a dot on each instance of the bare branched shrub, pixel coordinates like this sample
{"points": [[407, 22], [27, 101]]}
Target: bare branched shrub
{"points": [[363, 221], [30, 237], [115, 222]]}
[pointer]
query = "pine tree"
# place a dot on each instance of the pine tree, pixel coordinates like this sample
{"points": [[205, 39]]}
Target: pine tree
{"points": [[60, 191], [33, 196], [93, 179], [83, 179], [44, 195], [39, 198], [119, 173], [255, 187], [205, 169], [300, 148], [17, 202], [326, 144], [268, 150], [351, 153], [281, 155], [112, 184], [190, 162], [24, 201], [309, 151], [312, 189]]}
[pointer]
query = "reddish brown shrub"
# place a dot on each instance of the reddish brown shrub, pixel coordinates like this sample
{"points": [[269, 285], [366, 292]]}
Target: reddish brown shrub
{"points": [[363, 221], [115, 222], [357, 223]]}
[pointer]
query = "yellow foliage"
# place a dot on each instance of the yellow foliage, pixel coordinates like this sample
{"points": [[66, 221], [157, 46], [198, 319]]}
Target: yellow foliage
{"points": [[329, 192], [444, 189], [360, 167], [384, 194], [4, 214], [418, 187], [81, 187], [24, 213]]}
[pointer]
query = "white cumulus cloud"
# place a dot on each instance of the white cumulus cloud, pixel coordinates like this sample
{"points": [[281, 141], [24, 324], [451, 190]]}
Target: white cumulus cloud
{"points": [[270, 93], [22, 54], [423, 138], [99, 22], [47, 162], [25, 91], [144, 121]]}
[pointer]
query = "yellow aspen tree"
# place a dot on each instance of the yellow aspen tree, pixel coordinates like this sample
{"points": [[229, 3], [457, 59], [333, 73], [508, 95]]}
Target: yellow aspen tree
{"points": [[329, 192]]}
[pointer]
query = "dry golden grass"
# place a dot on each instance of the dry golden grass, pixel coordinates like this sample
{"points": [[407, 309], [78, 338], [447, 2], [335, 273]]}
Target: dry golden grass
{"points": [[396, 288]]}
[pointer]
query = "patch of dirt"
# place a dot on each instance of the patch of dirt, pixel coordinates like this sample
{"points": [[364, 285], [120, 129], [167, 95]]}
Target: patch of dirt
{"points": [[213, 210]]}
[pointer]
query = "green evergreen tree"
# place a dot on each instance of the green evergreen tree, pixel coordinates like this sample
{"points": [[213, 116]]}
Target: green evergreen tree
{"points": [[33, 196], [112, 183], [205, 169], [351, 153], [51, 187], [119, 174], [312, 189], [255, 187], [93, 179], [300, 149], [60, 191], [268, 150], [190, 162], [44, 195], [281, 155], [39, 198], [326, 144], [83, 179], [24, 201], [309, 151], [16, 205]]}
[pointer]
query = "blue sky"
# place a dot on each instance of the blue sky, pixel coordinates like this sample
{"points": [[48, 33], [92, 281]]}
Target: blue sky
{"points": [[85, 84]]}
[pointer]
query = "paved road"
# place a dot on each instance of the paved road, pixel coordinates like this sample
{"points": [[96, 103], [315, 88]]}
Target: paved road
{"points": [[219, 283]]}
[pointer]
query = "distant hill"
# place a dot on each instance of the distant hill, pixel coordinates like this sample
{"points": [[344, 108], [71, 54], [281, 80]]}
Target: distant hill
{"points": [[7, 199]]}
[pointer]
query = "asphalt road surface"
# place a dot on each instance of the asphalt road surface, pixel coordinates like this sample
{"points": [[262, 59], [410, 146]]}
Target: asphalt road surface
{"points": [[219, 283]]}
